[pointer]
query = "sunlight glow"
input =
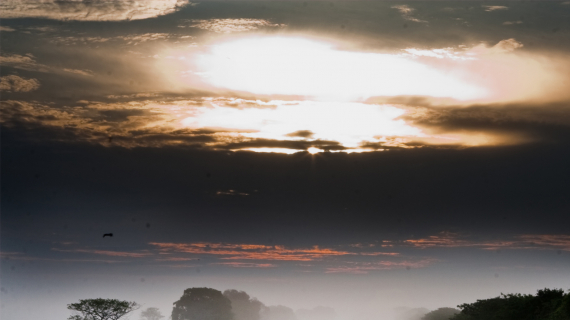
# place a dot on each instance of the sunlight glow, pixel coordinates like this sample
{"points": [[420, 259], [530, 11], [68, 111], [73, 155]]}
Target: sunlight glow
{"points": [[297, 66], [348, 123], [313, 150]]}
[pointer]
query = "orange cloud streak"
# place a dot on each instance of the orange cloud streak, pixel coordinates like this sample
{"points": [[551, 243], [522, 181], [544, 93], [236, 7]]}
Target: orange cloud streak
{"points": [[251, 251]]}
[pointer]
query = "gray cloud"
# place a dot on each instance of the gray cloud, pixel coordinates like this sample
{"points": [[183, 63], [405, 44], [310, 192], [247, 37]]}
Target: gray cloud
{"points": [[495, 8], [17, 84], [24, 62], [98, 10]]}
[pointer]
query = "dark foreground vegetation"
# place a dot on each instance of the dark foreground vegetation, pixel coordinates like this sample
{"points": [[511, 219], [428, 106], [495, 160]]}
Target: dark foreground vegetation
{"points": [[211, 304], [547, 304]]}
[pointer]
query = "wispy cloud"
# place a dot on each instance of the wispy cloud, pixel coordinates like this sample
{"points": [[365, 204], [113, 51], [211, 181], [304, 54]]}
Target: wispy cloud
{"points": [[231, 193], [406, 12], [88, 73], [246, 265], [231, 25], [495, 8], [250, 251], [107, 252], [366, 267], [6, 29], [520, 242], [24, 62]]}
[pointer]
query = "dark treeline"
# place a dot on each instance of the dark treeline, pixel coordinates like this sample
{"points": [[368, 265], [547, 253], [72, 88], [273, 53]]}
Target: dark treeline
{"points": [[547, 304]]}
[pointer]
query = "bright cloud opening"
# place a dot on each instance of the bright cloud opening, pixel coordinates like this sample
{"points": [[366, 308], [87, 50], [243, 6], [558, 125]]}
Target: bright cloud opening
{"points": [[297, 66]]}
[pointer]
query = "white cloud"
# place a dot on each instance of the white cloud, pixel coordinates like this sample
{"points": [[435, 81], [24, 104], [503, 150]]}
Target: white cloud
{"points": [[97, 10], [495, 8], [81, 72], [6, 29], [406, 12], [17, 84], [232, 25], [507, 45], [25, 62]]}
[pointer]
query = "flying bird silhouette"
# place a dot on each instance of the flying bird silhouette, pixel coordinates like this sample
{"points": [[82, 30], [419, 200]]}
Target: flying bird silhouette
{"points": [[107, 234]]}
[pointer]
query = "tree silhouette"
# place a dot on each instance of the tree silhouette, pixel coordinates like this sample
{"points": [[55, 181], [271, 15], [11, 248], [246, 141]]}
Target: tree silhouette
{"points": [[101, 309], [548, 304], [151, 314], [202, 304]]}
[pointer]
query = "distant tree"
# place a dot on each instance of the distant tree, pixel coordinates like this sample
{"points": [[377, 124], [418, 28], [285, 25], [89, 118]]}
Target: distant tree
{"points": [[278, 313], [441, 314], [202, 304], [317, 313], [151, 314], [101, 309], [243, 306]]}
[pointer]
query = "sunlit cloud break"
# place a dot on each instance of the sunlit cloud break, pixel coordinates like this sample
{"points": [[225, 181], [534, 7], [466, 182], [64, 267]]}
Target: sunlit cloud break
{"points": [[298, 66], [348, 123]]}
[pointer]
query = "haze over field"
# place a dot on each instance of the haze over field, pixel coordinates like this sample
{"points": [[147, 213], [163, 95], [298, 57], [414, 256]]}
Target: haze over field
{"points": [[363, 160]]}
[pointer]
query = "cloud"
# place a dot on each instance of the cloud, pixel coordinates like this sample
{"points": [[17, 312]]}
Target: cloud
{"points": [[366, 267], [288, 126], [131, 39], [7, 29], [525, 241], [301, 134], [246, 265], [495, 8], [406, 12], [88, 73], [249, 251], [506, 23], [507, 45], [513, 123], [17, 84], [107, 252], [231, 193], [231, 25], [189, 122], [24, 62], [98, 10]]}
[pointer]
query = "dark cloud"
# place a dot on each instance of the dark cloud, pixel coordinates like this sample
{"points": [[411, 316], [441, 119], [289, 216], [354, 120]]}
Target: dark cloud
{"points": [[301, 134], [547, 122]]}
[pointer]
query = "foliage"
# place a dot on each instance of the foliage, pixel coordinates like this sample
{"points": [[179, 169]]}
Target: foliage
{"points": [[440, 314], [243, 306], [151, 314], [547, 304], [202, 304], [101, 309]]}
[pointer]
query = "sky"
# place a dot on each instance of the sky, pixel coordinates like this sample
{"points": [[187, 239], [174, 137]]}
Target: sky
{"points": [[371, 157]]}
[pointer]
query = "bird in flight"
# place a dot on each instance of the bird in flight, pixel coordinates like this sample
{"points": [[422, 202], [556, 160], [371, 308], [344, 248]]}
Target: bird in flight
{"points": [[107, 235]]}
